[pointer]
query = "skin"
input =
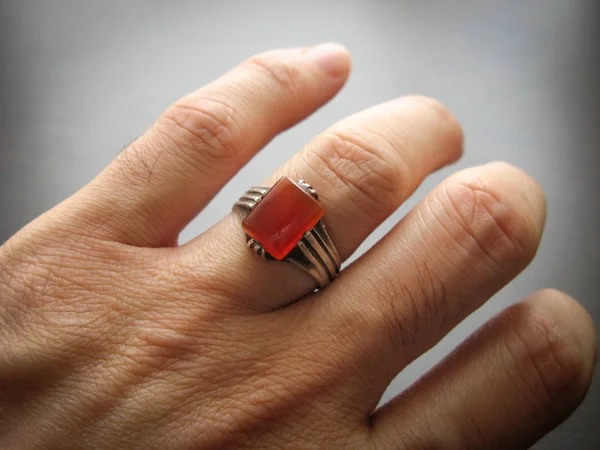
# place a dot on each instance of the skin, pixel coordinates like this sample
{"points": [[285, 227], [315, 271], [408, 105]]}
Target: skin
{"points": [[112, 336]]}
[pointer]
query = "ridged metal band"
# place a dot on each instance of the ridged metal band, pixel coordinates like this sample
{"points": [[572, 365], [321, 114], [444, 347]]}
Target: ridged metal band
{"points": [[314, 253]]}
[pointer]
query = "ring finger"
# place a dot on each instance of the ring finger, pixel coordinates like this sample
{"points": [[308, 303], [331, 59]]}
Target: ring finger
{"points": [[469, 237]]}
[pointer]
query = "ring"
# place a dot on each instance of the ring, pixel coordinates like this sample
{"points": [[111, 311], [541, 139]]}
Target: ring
{"points": [[285, 223]]}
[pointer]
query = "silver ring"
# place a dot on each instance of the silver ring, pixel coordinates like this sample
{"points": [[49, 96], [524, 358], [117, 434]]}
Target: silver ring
{"points": [[279, 225]]}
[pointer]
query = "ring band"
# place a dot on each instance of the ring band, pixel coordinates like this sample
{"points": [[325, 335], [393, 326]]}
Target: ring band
{"points": [[285, 222]]}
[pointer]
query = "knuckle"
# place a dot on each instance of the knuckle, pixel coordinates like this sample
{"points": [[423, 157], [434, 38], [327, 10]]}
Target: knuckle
{"points": [[360, 163], [206, 124], [550, 363], [490, 220], [282, 74]]}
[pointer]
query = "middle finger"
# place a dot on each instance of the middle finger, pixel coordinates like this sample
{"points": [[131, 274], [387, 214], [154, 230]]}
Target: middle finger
{"points": [[363, 168]]}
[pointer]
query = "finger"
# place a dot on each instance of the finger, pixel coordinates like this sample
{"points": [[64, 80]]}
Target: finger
{"points": [[162, 180], [462, 243], [363, 168], [509, 384]]}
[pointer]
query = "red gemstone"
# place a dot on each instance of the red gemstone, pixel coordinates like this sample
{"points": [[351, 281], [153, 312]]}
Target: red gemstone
{"points": [[281, 217]]}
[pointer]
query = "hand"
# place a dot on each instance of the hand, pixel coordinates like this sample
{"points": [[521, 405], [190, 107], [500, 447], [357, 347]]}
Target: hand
{"points": [[114, 337]]}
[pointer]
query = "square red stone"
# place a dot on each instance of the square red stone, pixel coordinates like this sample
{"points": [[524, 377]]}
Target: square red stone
{"points": [[281, 217]]}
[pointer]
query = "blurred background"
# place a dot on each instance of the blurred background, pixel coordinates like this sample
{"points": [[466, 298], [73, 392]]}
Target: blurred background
{"points": [[80, 80]]}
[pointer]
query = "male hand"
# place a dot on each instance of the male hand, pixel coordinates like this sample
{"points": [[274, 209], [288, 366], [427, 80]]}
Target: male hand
{"points": [[112, 336]]}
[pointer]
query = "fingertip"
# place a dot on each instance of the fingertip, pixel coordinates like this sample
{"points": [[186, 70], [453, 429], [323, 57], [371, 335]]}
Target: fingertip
{"points": [[447, 124], [518, 200], [575, 330], [528, 188], [332, 58]]}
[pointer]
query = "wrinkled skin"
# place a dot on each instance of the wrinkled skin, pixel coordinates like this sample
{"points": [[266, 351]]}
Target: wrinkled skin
{"points": [[112, 336]]}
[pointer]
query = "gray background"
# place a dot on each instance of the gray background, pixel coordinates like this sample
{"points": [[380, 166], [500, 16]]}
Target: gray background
{"points": [[80, 79]]}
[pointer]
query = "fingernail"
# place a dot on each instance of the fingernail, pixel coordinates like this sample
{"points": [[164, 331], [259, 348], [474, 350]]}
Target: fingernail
{"points": [[333, 59]]}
